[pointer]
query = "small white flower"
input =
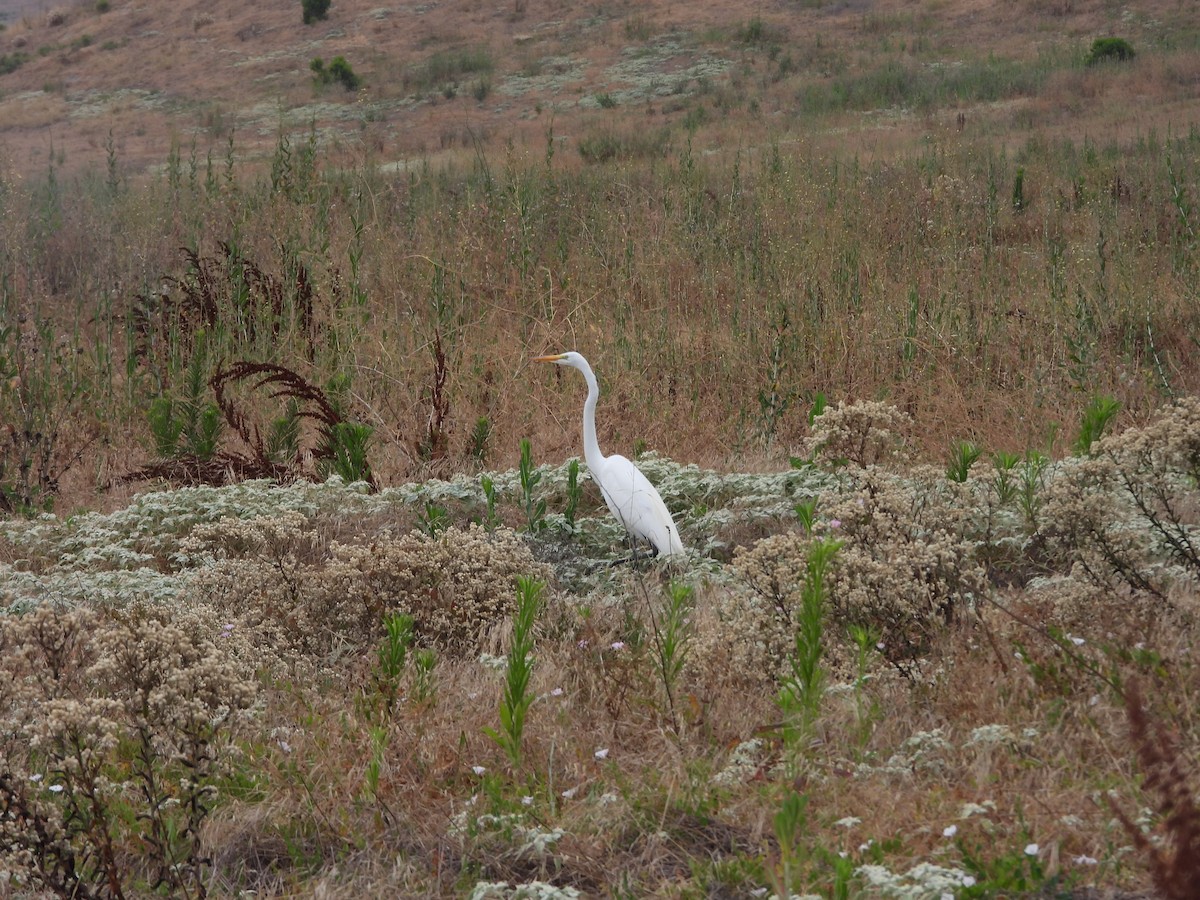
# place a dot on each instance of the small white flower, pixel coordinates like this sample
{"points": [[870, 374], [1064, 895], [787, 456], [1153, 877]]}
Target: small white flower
{"points": [[1086, 861], [617, 645], [557, 692], [1018, 655], [602, 753], [527, 800], [56, 788], [848, 822], [968, 880], [1078, 641], [950, 831], [285, 746], [569, 793], [478, 770], [1031, 849], [843, 854], [36, 777]]}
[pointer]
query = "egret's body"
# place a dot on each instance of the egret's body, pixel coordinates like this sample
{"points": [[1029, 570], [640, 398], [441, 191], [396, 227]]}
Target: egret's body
{"points": [[629, 494]]}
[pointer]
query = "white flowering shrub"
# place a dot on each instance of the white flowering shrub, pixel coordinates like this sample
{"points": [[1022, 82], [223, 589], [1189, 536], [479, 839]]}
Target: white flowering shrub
{"points": [[865, 433], [112, 734], [1126, 517], [902, 571], [294, 600]]}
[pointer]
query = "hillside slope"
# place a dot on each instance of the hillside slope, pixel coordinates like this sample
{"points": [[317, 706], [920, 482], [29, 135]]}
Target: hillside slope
{"points": [[448, 76]]}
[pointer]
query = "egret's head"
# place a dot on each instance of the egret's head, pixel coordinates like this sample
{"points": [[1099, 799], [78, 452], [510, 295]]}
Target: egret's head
{"points": [[563, 359]]}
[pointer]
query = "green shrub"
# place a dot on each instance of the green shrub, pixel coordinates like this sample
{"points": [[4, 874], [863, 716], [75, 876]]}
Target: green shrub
{"points": [[1110, 48], [338, 70], [10, 62], [314, 10], [603, 146]]}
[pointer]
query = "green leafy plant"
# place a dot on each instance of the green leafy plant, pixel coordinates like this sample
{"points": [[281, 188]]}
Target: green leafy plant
{"points": [[963, 455], [1099, 412], [1004, 481], [535, 509], [434, 519], [392, 655], [424, 683], [339, 71], [790, 824], [1107, 49], [379, 745], [478, 443], [349, 446], [283, 435], [314, 10], [1018, 871], [670, 634], [806, 511], [1031, 481], [804, 685], [574, 493], [491, 519], [865, 640], [516, 698]]}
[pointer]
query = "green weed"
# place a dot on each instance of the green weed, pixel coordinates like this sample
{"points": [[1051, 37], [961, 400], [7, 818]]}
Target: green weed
{"points": [[516, 699]]}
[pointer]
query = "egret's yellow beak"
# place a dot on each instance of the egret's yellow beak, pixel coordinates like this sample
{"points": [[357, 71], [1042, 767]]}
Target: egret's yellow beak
{"points": [[554, 357]]}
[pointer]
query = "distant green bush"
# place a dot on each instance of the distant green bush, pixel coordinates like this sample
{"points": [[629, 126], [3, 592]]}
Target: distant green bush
{"points": [[1110, 48], [902, 84], [10, 62], [603, 146], [338, 70], [314, 10], [449, 66]]}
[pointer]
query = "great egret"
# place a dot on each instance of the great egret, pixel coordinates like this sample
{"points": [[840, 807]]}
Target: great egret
{"points": [[628, 493]]}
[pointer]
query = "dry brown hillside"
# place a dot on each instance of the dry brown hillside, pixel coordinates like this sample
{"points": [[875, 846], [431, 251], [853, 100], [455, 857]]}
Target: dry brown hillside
{"points": [[447, 76]]}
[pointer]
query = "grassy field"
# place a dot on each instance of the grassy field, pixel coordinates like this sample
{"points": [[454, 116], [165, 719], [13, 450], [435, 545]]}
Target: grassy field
{"points": [[896, 303]]}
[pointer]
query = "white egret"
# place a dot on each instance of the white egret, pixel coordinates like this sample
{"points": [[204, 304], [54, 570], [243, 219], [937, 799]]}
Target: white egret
{"points": [[628, 493]]}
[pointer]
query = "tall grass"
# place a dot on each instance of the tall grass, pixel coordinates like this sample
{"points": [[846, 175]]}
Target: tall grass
{"points": [[907, 280]]}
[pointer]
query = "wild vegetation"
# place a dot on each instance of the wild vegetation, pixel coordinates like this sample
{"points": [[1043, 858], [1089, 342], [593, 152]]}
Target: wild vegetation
{"points": [[308, 592]]}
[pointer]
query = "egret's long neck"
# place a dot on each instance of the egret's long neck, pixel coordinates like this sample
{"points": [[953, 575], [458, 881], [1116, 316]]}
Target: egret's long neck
{"points": [[591, 448]]}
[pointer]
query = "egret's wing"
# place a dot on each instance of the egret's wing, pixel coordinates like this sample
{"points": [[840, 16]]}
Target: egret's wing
{"points": [[637, 504]]}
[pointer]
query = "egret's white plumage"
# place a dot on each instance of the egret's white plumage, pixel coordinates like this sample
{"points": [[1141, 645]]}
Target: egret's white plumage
{"points": [[628, 493]]}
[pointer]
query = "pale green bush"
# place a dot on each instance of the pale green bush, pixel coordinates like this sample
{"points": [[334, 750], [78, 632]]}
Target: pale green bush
{"points": [[903, 570], [865, 433], [1126, 518], [113, 733], [295, 602]]}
